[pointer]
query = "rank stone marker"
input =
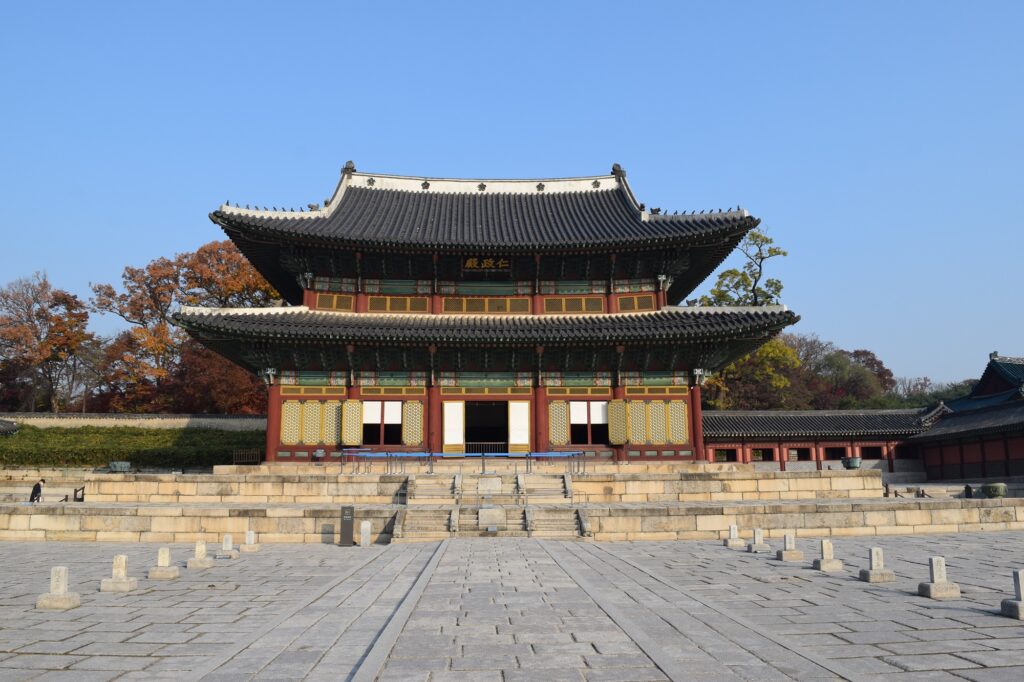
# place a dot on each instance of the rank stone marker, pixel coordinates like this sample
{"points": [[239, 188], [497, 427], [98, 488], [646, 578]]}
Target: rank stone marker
{"points": [[58, 598], [365, 539], [827, 563], [758, 544], [250, 543], [734, 541], [163, 569], [119, 580], [939, 587], [877, 572], [200, 560], [1014, 608], [789, 551], [227, 549]]}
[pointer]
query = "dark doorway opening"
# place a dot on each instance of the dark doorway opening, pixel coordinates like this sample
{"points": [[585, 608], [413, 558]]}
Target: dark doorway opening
{"points": [[487, 426]]}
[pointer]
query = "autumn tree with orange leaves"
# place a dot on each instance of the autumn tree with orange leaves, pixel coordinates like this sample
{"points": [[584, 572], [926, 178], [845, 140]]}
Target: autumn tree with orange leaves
{"points": [[46, 350], [156, 367]]}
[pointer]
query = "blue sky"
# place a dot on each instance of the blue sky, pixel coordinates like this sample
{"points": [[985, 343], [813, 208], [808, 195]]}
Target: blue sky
{"points": [[880, 142]]}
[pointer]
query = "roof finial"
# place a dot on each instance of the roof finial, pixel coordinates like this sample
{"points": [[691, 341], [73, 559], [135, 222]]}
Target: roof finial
{"points": [[313, 207], [349, 169], [993, 355], [617, 171]]}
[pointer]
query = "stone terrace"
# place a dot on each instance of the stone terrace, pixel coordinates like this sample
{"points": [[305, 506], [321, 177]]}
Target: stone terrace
{"points": [[517, 609]]}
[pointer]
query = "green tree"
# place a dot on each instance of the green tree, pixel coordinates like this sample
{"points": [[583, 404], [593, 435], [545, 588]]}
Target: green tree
{"points": [[766, 379], [748, 285]]}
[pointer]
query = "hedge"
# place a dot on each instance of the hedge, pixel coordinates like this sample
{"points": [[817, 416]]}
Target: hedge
{"points": [[97, 446]]}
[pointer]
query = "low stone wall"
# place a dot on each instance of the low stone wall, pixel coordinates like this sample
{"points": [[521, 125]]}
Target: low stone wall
{"points": [[206, 489], [218, 422], [320, 524], [815, 519], [153, 523], [725, 486]]}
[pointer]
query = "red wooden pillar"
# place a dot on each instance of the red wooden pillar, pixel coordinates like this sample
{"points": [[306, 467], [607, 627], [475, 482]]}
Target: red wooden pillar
{"points": [[309, 298], [273, 421], [817, 454], [698, 425], [435, 303], [619, 393], [890, 455], [541, 442], [781, 454], [435, 442]]}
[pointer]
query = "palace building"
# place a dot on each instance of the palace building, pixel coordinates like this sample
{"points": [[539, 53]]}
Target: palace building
{"points": [[445, 316]]}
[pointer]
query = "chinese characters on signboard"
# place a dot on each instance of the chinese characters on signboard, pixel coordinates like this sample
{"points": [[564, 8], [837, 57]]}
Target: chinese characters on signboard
{"points": [[476, 263]]}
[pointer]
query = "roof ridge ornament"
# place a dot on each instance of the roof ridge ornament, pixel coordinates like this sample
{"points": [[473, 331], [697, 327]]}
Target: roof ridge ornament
{"points": [[618, 172], [425, 185], [349, 168], [481, 187], [540, 186]]}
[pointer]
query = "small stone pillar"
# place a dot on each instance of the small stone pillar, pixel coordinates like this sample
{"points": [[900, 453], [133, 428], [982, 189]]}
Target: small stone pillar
{"points": [[163, 569], [119, 580], [1012, 608], [939, 586], [734, 541], [365, 537], [58, 598], [877, 572], [227, 548], [200, 560], [827, 563], [758, 544], [250, 543], [789, 551]]}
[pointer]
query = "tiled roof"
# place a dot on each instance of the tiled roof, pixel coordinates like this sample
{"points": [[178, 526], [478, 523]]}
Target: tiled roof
{"points": [[972, 402], [813, 423], [8, 427], [1003, 418], [507, 216], [672, 324]]}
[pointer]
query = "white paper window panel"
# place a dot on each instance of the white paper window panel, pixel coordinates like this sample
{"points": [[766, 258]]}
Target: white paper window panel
{"points": [[393, 412], [519, 422], [371, 412], [577, 412], [454, 423], [599, 412]]}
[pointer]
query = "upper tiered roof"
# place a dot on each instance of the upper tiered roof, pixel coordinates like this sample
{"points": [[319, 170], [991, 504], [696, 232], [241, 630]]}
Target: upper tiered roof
{"points": [[392, 214], [372, 210]]}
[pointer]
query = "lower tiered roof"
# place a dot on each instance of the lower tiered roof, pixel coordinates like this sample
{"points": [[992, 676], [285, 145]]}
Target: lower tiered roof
{"points": [[721, 333]]}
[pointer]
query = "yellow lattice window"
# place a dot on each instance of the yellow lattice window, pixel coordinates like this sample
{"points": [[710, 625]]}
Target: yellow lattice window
{"points": [[629, 304], [352, 422], [637, 421], [335, 302], [291, 422], [332, 422], [558, 422], [678, 427], [658, 421], [574, 305], [398, 304], [311, 422], [617, 426], [412, 422], [496, 305]]}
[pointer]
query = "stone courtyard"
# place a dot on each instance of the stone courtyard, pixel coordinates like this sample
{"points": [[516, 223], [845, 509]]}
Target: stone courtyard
{"points": [[517, 609]]}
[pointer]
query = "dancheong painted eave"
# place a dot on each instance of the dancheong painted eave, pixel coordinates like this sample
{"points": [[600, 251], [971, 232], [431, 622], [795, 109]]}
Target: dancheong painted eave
{"points": [[380, 211], [669, 325]]}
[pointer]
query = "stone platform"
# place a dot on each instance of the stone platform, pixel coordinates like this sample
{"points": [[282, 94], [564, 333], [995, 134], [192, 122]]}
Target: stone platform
{"points": [[142, 522]]}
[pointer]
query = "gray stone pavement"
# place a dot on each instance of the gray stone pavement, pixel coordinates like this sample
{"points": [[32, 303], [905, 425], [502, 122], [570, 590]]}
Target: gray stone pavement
{"points": [[516, 609]]}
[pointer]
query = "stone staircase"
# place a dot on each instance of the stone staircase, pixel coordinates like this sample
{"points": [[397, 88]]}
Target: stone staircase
{"points": [[483, 489], [546, 488], [554, 522], [418, 524], [422, 523], [433, 489]]}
